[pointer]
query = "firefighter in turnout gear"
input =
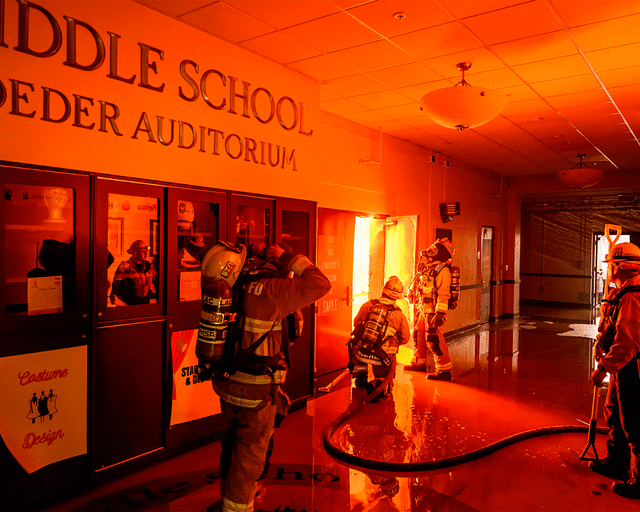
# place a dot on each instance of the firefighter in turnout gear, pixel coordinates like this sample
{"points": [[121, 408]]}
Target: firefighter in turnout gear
{"points": [[430, 292], [380, 327], [273, 284], [617, 351]]}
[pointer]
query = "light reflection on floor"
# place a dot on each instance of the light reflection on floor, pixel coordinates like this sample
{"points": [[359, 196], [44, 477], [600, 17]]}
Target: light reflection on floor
{"points": [[509, 377]]}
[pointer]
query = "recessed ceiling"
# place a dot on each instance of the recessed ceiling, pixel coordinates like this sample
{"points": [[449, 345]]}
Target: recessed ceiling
{"points": [[571, 69]]}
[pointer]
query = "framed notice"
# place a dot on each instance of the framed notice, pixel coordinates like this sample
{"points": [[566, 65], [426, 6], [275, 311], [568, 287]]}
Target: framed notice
{"points": [[115, 235]]}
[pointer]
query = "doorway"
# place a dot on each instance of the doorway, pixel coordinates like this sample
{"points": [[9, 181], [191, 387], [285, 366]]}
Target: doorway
{"points": [[357, 253], [486, 273]]}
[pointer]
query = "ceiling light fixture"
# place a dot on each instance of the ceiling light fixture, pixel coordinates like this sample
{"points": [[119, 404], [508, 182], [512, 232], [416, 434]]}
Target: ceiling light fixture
{"points": [[465, 106], [580, 176]]}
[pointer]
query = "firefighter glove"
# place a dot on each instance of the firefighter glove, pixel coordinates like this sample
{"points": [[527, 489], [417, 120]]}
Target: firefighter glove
{"points": [[439, 320], [598, 375]]}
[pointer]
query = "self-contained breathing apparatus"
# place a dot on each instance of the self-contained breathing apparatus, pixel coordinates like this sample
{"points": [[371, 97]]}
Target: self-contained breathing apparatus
{"points": [[432, 261], [226, 270], [370, 336]]}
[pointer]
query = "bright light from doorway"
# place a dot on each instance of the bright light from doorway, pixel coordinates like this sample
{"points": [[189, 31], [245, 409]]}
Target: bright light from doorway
{"points": [[360, 264]]}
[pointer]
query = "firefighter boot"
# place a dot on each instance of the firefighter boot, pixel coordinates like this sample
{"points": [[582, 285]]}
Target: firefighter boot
{"points": [[415, 367], [610, 467], [629, 489], [439, 376]]}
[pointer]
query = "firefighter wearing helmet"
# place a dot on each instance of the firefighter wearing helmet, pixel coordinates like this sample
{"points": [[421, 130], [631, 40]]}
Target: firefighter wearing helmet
{"points": [[189, 256], [380, 327], [617, 351], [430, 292], [268, 286], [135, 279]]}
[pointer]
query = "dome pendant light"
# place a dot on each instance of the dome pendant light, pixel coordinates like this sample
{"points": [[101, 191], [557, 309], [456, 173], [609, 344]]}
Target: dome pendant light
{"points": [[579, 176], [463, 106]]}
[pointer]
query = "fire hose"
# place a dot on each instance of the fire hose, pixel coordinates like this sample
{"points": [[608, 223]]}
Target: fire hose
{"points": [[336, 452]]}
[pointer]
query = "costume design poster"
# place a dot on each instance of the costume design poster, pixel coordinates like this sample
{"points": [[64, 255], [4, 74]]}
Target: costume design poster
{"points": [[192, 399], [43, 406]]}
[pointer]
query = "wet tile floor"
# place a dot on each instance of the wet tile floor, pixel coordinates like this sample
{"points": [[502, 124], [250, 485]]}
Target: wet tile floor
{"points": [[497, 438]]}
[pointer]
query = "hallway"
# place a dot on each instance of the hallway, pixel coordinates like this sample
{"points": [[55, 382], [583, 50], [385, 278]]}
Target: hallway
{"points": [[509, 377]]}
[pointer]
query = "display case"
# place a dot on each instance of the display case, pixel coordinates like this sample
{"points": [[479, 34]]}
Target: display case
{"points": [[45, 255], [129, 250], [196, 221], [295, 227]]}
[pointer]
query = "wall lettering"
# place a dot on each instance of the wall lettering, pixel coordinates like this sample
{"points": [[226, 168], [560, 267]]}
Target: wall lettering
{"points": [[214, 88]]}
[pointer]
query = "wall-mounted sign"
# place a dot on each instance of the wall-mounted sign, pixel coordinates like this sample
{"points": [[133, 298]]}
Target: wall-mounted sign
{"points": [[43, 406]]}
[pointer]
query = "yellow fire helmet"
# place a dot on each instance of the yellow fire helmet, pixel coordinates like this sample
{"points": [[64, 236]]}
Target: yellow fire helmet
{"points": [[224, 260], [393, 288]]}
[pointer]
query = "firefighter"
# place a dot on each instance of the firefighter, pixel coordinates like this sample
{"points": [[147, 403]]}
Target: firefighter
{"points": [[135, 279], [619, 356], [273, 284], [430, 292], [189, 257], [380, 327]]}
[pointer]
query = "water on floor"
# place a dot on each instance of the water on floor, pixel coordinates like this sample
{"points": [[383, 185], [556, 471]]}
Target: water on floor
{"points": [[506, 434]]}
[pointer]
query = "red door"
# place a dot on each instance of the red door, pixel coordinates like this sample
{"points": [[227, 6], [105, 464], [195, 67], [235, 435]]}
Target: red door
{"points": [[336, 229]]}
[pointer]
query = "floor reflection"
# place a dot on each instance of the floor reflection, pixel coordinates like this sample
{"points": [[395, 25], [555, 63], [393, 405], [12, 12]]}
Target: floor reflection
{"points": [[509, 377]]}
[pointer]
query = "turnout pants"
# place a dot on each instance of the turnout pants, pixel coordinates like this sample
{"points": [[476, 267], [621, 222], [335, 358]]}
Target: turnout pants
{"points": [[622, 415], [244, 450], [434, 342]]}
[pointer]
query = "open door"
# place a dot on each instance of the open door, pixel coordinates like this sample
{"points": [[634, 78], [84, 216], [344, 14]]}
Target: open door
{"points": [[349, 246], [486, 273], [335, 258]]}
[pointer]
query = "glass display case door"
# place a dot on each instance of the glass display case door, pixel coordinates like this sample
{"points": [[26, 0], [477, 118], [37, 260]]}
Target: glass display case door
{"points": [[295, 227], [45, 254], [251, 220], [129, 226], [196, 221]]}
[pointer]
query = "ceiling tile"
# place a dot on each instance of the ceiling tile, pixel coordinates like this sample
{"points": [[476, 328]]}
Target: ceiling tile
{"points": [[437, 41], [353, 86], [481, 59], [279, 47], [519, 93], [528, 49], [418, 14], [323, 68], [415, 92], [381, 99], [531, 109], [175, 7], [396, 76], [466, 8], [328, 96], [226, 22], [614, 58], [495, 79], [562, 67], [341, 107], [579, 99], [524, 20], [372, 56], [405, 111], [567, 85], [620, 77], [285, 13], [607, 34], [368, 117], [582, 12], [331, 33], [535, 48]]}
